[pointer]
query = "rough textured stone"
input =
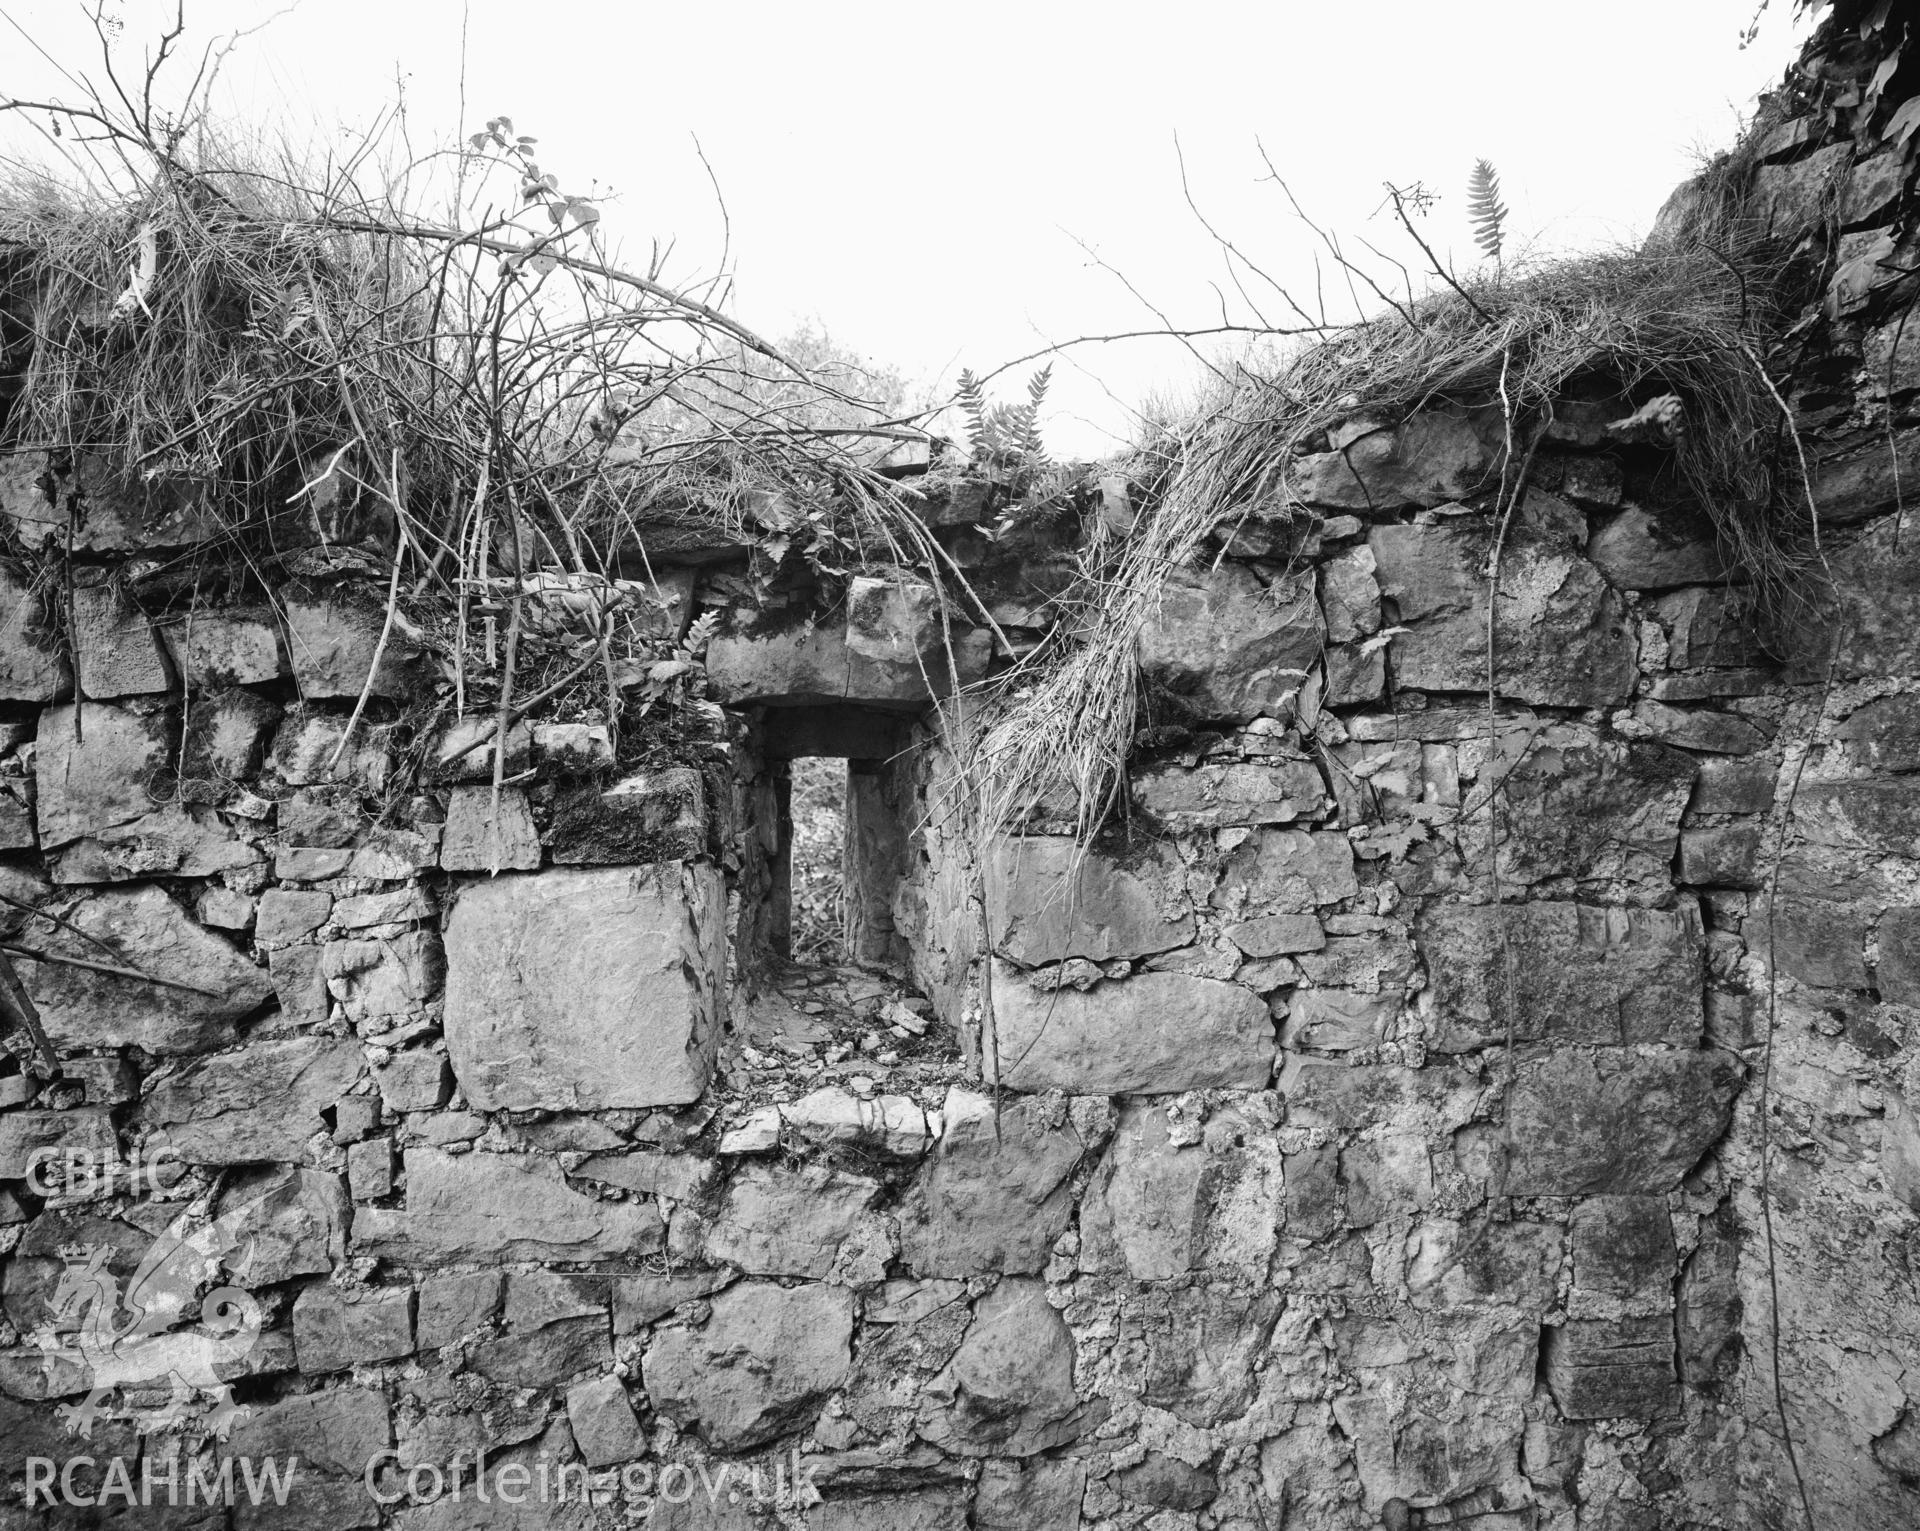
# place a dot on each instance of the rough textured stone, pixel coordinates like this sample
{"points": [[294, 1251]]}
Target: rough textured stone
{"points": [[1428, 459], [783, 658], [1216, 796], [1563, 973], [1052, 899], [1008, 1392], [337, 1431], [455, 1303], [758, 1368], [557, 1329], [1594, 809], [228, 646], [1725, 856], [119, 652], [312, 747], [418, 1080], [1612, 1368], [1278, 935], [1698, 728], [1623, 1255], [260, 1103], [603, 1423], [149, 932], [940, 1509], [335, 1328], [1616, 1122], [1898, 971], [1152, 1033], [475, 841], [1228, 648], [1039, 1494], [1561, 637], [892, 1126], [1886, 733], [1639, 550], [226, 739], [1734, 786], [501, 1207], [1286, 870], [107, 776], [993, 1195], [776, 1221], [650, 816], [31, 667], [169, 842], [23, 1134], [333, 634], [378, 981], [586, 989]]}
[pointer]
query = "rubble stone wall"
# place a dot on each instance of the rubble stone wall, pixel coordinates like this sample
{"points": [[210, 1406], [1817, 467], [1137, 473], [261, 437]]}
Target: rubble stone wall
{"points": [[1487, 1046]]}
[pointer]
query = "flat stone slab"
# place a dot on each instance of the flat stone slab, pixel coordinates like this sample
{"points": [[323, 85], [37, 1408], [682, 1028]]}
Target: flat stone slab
{"points": [[1563, 972], [587, 990], [1154, 1033], [1051, 898]]}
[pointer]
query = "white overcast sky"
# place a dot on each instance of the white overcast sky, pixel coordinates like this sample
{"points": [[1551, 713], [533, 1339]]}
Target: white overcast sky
{"points": [[927, 181]]}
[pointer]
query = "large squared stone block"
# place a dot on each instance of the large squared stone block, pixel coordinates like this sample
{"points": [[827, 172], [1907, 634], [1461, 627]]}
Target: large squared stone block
{"points": [[1051, 899], [587, 990], [1229, 648], [1568, 972], [1153, 1034]]}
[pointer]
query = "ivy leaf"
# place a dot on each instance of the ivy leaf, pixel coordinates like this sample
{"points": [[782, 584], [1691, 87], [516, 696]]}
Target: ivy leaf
{"points": [[477, 142], [1905, 122]]}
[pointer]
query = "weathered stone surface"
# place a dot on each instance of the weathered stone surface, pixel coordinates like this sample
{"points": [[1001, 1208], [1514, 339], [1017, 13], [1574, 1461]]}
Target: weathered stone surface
{"points": [[1008, 1392], [475, 841], [1898, 971], [1286, 870], [31, 667], [1698, 728], [1209, 796], [1278, 935], [119, 653], [417, 1080], [1563, 973], [1882, 817], [1158, 1209], [107, 776], [1228, 648], [785, 658], [260, 1103], [1639, 550], [1614, 1121], [1726, 856], [1561, 636], [295, 1221], [650, 816], [604, 1425], [1051, 899], [1039, 1494], [1430, 458], [370, 1168], [464, 750], [993, 1196], [83, 1009], [476, 1207], [940, 1509], [1612, 1368], [312, 747], [1815, 940], [587, 989], [382, 980], [228, 646], [1587, 807], [333, 634], [172, 841], [639, 1301], [1734, 786], [573, 749], [287, 915], [335, 1328], [1623, 1255], [557, 1329], [1154, 1033], [1350, 595], [454, 1303], [337, 1431], [1886, 733], [892, 1126], [777, 1221], [226, 739], [1338, 1020], [23, 1134], [758, 1368]]}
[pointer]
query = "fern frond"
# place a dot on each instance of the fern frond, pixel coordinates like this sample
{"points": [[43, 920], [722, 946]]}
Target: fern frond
{"points": [[1485, 209], [973, 402]]}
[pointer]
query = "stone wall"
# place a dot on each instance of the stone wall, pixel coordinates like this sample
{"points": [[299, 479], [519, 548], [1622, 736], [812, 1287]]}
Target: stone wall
{"points": [[1440, 1102]]}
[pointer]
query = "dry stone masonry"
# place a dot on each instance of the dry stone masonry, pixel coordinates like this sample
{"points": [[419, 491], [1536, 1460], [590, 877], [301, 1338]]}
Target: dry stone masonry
{"points": [[1369, 1129]]}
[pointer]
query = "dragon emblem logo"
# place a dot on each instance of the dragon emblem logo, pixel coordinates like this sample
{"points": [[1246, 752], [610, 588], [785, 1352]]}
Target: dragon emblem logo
{"points": [[133, 1342]]}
